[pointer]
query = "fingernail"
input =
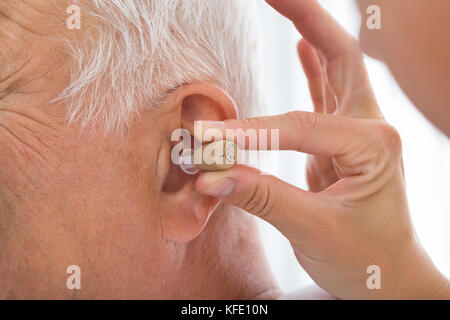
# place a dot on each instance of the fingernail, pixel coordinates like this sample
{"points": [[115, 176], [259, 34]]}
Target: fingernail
{"points": [[222, 188]]}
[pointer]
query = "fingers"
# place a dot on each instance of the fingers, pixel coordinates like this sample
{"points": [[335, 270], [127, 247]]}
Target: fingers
{"points": [[317, 27], [313, 71], [341, 57], [312, 133], [323, 99], [309, 59], [267, 197]]}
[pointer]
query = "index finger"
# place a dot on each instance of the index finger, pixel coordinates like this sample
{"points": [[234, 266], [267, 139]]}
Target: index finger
{"points": [[318, 27], [312, 133]]}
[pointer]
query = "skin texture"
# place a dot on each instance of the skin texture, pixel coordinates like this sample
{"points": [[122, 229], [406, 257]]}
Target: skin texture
{"points": [[355, 214], [115, 206], [413, 44]]}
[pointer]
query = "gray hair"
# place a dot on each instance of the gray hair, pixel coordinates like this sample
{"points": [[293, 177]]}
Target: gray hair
{"points": [[136, 51]]}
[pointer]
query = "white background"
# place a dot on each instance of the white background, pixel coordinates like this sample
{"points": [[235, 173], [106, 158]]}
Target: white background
{"points": [[426, 151]]}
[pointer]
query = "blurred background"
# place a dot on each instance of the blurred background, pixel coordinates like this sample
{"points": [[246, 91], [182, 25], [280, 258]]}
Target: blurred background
{"points": [[426, 151]]}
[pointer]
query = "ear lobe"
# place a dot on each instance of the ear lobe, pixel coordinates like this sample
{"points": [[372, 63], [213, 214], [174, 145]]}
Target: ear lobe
{"points": [[186, 215], [184, 211]]}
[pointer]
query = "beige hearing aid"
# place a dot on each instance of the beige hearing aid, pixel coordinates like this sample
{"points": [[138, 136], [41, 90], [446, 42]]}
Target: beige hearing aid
{"points": [[217, 156]]}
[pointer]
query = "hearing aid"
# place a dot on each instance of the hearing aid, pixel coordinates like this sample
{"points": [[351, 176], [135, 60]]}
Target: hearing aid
{"points": [[186, 163], [216, 156]]}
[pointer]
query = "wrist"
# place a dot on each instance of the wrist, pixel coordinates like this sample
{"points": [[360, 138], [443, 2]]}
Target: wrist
{"points": [[421, 278]]}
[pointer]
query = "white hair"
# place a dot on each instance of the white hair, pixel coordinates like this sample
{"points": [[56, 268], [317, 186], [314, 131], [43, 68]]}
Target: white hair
{"points": [[136, 51]]}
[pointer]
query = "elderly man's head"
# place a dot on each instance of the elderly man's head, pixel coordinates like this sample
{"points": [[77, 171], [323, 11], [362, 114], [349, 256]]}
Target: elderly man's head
{"points": [[86, 179]]}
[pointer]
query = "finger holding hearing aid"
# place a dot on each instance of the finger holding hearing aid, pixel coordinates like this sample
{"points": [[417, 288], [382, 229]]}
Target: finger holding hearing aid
{"points": [[355, 214], [360, 220]]}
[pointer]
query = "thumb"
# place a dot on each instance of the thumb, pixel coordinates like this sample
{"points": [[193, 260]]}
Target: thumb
{"points": [[284, 206]]}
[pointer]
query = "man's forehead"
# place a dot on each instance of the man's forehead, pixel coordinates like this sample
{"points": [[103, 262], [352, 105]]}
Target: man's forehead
{"points": [[26, 29], [34, 16]]}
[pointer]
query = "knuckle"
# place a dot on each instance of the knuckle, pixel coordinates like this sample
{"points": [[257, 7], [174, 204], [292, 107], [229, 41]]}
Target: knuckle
{"points": [[250, 122], [390, 138], [355, 47], [300, 19], [305, 119], [260, 202]]}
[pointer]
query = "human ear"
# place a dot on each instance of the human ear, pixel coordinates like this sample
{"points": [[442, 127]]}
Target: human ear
{"points": [[184, 211]]}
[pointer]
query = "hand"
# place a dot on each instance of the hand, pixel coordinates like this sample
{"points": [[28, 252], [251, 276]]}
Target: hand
{"points": [[356, 213]]}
